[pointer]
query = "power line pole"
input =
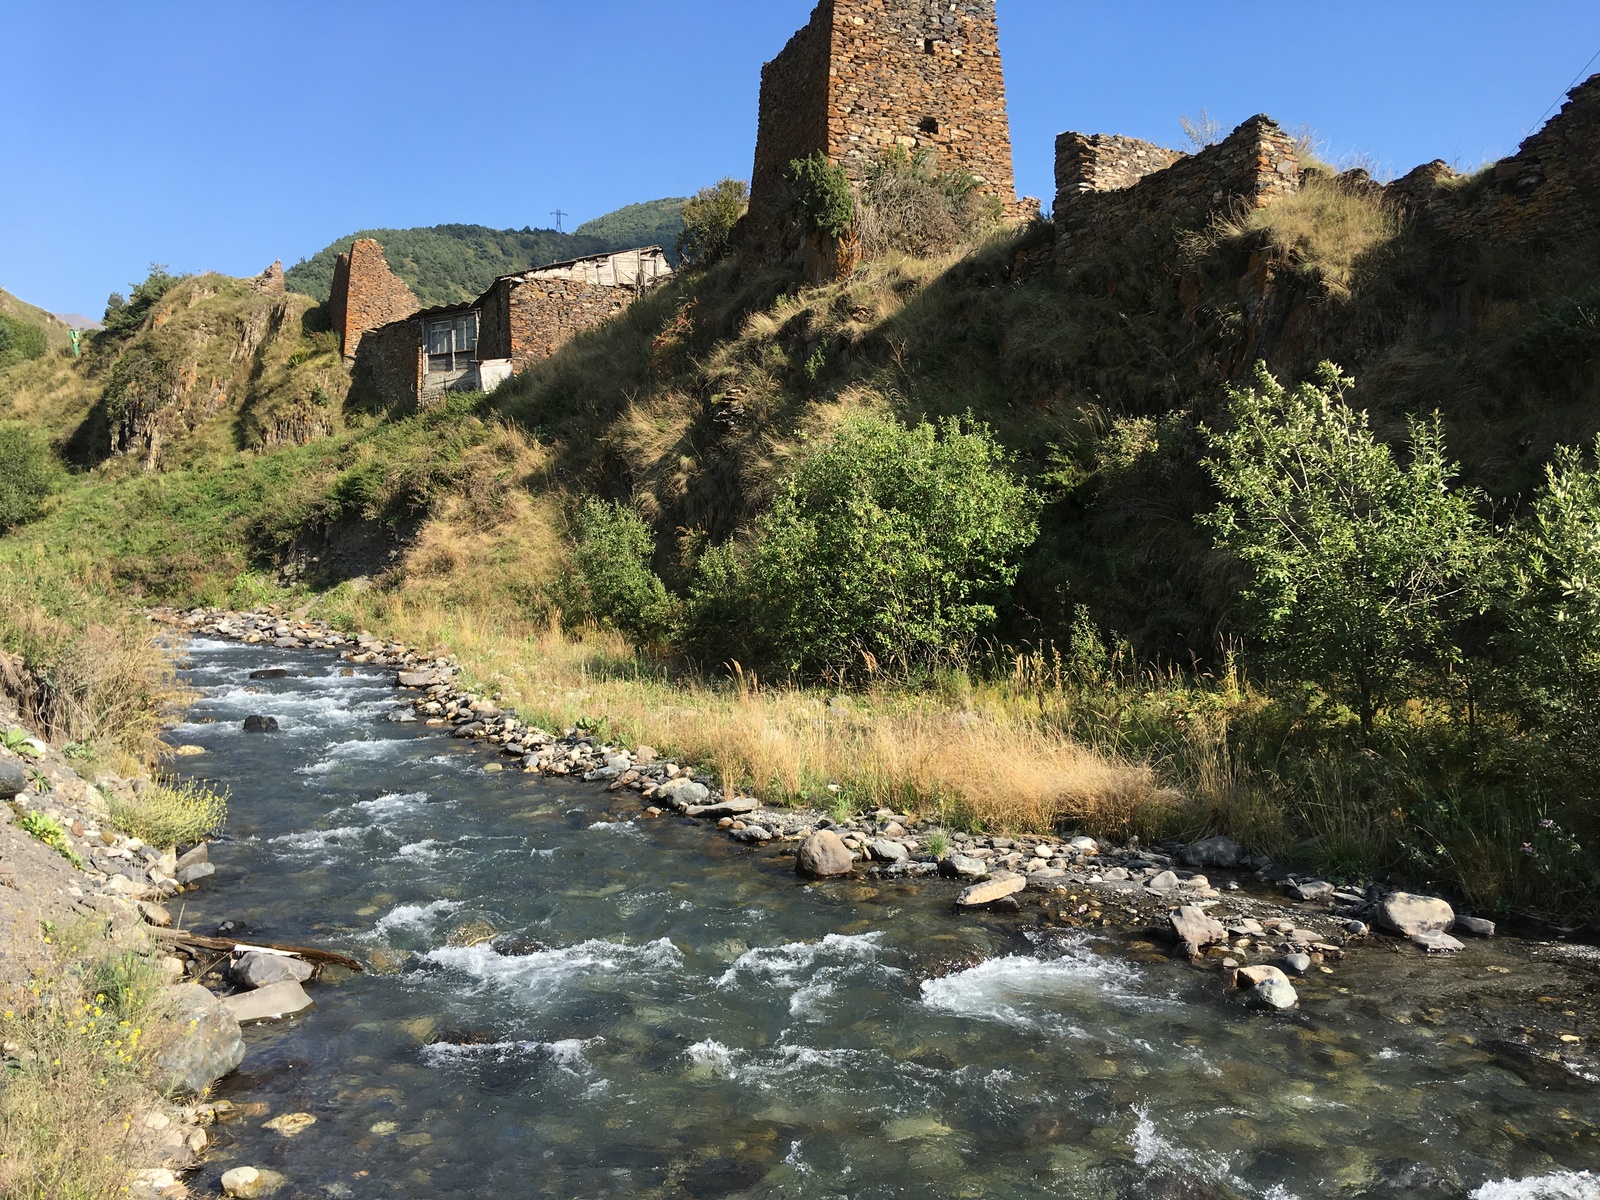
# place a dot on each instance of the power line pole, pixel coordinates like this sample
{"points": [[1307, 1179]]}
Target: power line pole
{"points": [[558, 214]]}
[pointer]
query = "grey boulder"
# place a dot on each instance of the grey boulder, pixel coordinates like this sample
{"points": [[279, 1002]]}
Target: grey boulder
{"points": [[888, 851], [1196, 930], [13, 779], [267, 1003], [1435, 941], [1474, 926], [207, 1046], [260, 724], [1408, 914], [257, 970], [1220, 852], [963, 866], [194, 872], [823, 856]]}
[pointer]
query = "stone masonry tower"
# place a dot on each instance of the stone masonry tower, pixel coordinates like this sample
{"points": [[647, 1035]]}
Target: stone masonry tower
{"points": [[866, 75]]}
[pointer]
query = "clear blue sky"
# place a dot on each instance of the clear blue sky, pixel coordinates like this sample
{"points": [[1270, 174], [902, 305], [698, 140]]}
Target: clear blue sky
{"points": [[224, 135]]}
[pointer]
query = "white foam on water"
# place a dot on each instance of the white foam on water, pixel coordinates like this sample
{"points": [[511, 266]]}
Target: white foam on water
{"points": [[357, 750], [622, 827], [424, 851], [392, 804], [1024, 991], [545, 974], [413, 918], [311, 841], [567, 1055], [813, 970], [711, 1054], [1562, 1185]]}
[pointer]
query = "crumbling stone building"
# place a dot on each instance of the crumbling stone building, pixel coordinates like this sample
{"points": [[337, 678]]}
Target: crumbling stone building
{"points": [[865, 76], [366, 295], [520, 320]]}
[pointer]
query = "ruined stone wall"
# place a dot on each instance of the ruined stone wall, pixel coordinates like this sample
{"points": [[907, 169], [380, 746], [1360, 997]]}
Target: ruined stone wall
{"points": [[1253, 165], [868, 75], [270, 282], [366, 295], [528, 320], [1104, 162], [388, 364]]}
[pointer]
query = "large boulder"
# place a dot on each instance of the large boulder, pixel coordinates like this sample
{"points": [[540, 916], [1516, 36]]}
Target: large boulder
{"points": [[256, 723], [208, 1045], [1408, 914], [258, 969], [888, 851], [823, 855], [995, 888], [1196, 930], [1219, 852], [1266, 986], [963, 866], [13, 779]]}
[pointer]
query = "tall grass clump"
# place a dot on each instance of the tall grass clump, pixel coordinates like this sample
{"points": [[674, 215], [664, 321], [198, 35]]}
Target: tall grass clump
{"points": [[169, 813], [908, 204]]}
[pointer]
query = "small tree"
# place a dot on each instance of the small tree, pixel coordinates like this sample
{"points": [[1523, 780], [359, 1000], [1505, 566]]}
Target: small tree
{"points": [[28, 474], [888, 544], [708, 221], [1353, 560], [823, 197], [123, 317], [613, 552]]}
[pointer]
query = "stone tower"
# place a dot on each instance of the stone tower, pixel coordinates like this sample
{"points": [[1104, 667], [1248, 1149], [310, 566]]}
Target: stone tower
{"points": [[366, 294], [866, 75]]}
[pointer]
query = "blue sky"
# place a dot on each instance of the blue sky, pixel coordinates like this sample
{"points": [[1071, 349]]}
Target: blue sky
{"points": [[224, 135]]}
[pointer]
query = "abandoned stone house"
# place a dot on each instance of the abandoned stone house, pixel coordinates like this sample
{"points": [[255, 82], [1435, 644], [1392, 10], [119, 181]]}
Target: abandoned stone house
{"points": [[865, 76], [401, 353]]}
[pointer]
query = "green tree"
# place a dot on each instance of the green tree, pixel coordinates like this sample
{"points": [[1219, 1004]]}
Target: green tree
{"points": [[823, 197], [28, 474], [613, 548], [709, 218], [124, 317], [20, 341], [888, 544], [1354, 561]]}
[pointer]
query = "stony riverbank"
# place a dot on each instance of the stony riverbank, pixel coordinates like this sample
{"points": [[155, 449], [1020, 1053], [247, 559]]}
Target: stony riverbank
{"points": [[1275, 939]]}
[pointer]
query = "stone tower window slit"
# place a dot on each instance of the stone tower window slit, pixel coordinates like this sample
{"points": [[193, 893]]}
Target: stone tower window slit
{"points": [[929, 125], [928, 45]]}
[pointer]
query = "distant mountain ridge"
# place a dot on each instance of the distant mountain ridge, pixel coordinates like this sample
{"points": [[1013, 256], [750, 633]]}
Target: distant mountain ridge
{"points": [[446, 264]]}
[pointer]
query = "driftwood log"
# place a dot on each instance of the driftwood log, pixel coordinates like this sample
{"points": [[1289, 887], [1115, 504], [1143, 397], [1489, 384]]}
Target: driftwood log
{"points": [[229, 945]]}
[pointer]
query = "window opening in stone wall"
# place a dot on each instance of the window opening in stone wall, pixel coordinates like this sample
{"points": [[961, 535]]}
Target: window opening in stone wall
{"points": [[929, 125], [928, 45], [451, 341]]}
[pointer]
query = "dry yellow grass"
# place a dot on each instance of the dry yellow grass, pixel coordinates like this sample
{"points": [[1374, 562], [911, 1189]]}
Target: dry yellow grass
{"points": [[1327, 227]]}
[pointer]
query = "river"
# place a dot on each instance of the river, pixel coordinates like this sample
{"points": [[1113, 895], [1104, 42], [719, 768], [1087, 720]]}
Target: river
{"points": [[664, 1013]]}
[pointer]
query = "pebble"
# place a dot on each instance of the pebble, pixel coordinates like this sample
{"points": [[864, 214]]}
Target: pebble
{"points": [[1297, 963]]}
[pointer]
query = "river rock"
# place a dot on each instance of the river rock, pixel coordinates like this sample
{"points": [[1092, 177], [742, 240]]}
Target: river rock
{"points": [[267, 1003], [243, 1183], [1298, 962], [155, 913], [207, 1046], [195, 872], [13, 779], [1408, 914], [963, 866], [260, 724], [753, 833], [419, 679], [887, 851], [1310, 889], [1165, 881], [1266, 986], [1436, 941], [1474, 926], [1197, 930], [257, 970], [1222, 853], [1084, 845], [723, 808], [269, 673], [198, 853], [997, 887], [823, 855], [683, 792]]}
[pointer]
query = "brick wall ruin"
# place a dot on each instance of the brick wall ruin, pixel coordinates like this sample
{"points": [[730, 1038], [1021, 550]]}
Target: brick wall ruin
{"points": [[867, 75], [366, 295], [1107, 194]]}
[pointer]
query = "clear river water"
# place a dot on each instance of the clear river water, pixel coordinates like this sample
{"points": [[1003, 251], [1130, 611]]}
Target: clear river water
{"points": [[664, 1013]]}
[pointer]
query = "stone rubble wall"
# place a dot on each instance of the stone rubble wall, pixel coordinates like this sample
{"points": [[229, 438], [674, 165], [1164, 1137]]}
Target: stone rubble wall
{"points": [[389, 364], [270, 282], [528, 320], [1252, 166], [366, 295], [1104, 162]]}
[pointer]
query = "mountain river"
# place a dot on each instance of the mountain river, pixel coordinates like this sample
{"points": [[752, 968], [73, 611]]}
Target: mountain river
{"points": [[661, 1012]]}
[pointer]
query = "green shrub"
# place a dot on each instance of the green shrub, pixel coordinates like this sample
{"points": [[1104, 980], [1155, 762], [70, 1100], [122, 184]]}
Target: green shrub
{"points": [[1353, 560], [123, 317], [170, 813], [888, 547], [49, 831], [20, 341], [28, 474], [823, 197], [908, 204], [613, 553], [708, 221]]}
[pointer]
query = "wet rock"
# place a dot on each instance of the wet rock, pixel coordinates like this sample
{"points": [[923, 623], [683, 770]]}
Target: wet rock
{"points": [[1356, 929], [207, 1046], [1164, 881], [244, 1183], [823, 856], [270, 673], [1222, 853], [1266, 987], [400, 716], [1310, 889], [194, 872], [1436, 941], [887, 851], [1195, 929], [290, 1124], [257, 970], [724, 808], [1474, 926], [419, 679], [1296, 963], [683, 793], [963, 866], [1399, 1178], [1408, 914], [268, 1003], [996, 888], [260, 724], [197, 854], [753, 833], [13, 779]]}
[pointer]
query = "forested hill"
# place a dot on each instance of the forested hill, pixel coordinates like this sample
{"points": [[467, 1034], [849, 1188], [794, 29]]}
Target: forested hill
{"points": [[444, 264]]}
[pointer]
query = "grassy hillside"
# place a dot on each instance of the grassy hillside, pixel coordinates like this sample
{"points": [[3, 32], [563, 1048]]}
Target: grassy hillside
{"points": [[57, 335], [445, 264]]}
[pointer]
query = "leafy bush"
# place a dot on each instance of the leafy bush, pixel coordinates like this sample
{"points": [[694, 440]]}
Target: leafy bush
{"points": [[169, 813], [887, 546], [123, 317], [28, 474], [20, 341], [49, 831], [709, 218], [613, 552], [908, 204], [1353, 560], [823, 197]]}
